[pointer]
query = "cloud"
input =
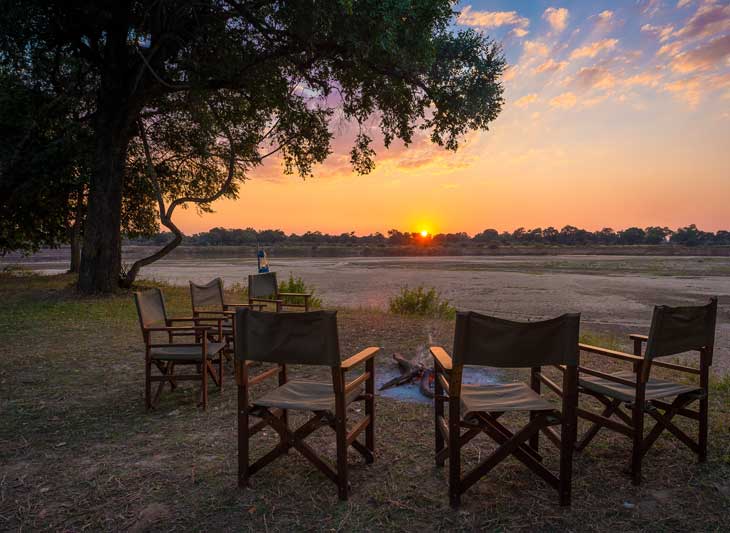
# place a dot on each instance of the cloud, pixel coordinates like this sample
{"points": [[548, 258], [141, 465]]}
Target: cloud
{"points": [[551, 65], [520, 32], [692, 89], [526, 100], [491, 19], [557, 17], [650, 7], [594, 78], [535, 48], [683, 3], [709, 19], [704, 57], [646, 79], [663, 33], [593, 49], [564, 101], [670, 49]]}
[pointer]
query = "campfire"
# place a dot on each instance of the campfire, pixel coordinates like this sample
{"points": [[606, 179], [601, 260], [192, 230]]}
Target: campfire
{"points": [[411, 371]]}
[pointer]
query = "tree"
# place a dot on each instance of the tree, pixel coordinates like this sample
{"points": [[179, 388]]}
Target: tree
{"points": [[631, 236], [657, 235], [488, 236], [396, 61], [690, 236]]}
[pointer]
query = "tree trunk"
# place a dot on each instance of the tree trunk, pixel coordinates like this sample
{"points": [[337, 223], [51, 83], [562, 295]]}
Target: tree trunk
{"points": [[115, 115], [75, 263], [101, 254]]}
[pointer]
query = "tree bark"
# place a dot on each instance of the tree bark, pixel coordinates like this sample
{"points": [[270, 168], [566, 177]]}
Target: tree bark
{"points": [[115, 115]]}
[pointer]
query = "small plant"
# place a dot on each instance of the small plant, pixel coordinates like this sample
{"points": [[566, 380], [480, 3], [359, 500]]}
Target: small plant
{"points": [[421, 302], [297, 285]]}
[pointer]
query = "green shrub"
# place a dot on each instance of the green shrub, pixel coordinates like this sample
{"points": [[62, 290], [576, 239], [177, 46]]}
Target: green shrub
{"points": [[421, 302], [297, 285]]}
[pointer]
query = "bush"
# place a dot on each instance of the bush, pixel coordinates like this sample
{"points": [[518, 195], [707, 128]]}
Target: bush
{"points": [[297, 285], [421, 302]]}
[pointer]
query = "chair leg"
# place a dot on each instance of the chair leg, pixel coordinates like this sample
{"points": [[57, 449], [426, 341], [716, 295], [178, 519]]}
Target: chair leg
{"points": [[638, 442], [148, 385], [341, 431], [220, 370], [703, 430], [204, 386], [243, 438], [567, 446], [438, 393], [454, 456], [370, 410]]}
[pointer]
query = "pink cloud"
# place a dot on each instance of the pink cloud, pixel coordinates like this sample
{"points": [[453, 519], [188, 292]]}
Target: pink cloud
{"points": [[705, 57], [663, 33], [564, 101], [594, 78], [557, 17], [491, 19], [550, 65], [710, 19], [594, 48]]}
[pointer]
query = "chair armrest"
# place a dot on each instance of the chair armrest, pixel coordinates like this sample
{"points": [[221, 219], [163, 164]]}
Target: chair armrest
{"points": [[198, 319], [610, 353], [441, 356], [301, 294], [606, 376], [236, 305], [367, 353], [637, 337], [266, 300], [177, 328]]}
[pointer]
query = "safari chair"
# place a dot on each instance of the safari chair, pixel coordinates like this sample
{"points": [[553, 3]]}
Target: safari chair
{"points": [[263, 288], [674, 330], [208, 302], [486, 341], [166, 356], [302, 339]]}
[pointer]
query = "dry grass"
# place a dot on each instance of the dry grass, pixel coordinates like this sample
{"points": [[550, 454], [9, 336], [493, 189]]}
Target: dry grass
{"points": [[78, 452]]}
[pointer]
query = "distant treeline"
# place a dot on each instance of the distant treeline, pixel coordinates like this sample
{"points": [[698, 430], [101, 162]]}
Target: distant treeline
{"points": [[567, 236]]}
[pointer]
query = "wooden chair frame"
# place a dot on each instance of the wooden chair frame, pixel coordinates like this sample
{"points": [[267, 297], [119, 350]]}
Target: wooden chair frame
{"points": [[278, 420], [166, 367], [631, 423], [523, 444], [226, 313], [278, 297]]}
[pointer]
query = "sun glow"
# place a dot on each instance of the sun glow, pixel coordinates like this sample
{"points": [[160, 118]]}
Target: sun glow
{"points": [[424, 233]]}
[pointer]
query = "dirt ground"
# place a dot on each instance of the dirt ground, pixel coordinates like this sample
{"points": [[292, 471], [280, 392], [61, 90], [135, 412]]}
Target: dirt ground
{"points": [[78, 452]]}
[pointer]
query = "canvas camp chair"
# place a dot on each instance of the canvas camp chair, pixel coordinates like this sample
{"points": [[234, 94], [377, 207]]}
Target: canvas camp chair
{"points": [[208, 302], [674, 330], [486, 341], [302, 339], [166, 356], [263, 288]]}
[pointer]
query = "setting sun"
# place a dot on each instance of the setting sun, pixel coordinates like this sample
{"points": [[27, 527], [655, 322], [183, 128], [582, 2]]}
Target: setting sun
{"points": [[424, 233]]}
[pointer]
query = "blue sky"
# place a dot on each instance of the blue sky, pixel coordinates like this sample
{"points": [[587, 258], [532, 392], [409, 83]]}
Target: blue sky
{"points": [[617, 114]]}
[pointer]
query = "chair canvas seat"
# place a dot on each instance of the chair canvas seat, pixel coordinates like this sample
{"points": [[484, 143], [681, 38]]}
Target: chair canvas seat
{"points": [[499, 398], [185, 353], [655, 388], [304, 395]]}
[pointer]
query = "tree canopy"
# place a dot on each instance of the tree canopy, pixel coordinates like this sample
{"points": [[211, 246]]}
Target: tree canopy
{"points": [[219, 85]]}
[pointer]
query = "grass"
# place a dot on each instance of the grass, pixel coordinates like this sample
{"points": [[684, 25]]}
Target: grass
{"points": [[421, 302], [78, 452]]}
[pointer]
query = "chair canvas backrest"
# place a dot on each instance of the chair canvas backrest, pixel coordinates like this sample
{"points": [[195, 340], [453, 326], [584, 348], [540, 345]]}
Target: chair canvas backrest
{"points": [[288, 338], [262, 285], [488, 341], [681, 329], [209, 295], [150, 308]]}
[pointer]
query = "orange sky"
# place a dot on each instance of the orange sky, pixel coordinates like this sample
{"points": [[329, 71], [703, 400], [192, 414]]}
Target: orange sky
{"points": [[617, 114]]}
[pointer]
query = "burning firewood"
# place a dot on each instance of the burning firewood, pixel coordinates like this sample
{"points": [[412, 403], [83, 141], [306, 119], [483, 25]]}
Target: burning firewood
{"points": [[409, 372]]}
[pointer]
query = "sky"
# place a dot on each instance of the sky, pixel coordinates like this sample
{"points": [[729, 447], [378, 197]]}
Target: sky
{"points": [[617, 114]]}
